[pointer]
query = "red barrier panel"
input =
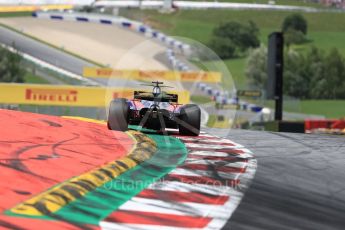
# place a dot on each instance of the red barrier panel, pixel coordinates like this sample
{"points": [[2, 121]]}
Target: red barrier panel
{"points": [[339, 124], [328, 124], [317, 124]]}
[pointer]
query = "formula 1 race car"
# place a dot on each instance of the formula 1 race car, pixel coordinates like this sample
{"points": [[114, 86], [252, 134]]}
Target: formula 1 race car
{"points": [[155, 110]]}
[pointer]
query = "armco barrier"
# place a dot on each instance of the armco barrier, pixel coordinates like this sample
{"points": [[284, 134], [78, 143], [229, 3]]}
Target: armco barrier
{"points": [[147, 75], [34, 94], [119, 21]]}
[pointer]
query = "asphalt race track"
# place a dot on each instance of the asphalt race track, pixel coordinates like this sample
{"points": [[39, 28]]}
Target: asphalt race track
{"points": [[42, 51], [300, 179], [299, 182], [54, 56]]}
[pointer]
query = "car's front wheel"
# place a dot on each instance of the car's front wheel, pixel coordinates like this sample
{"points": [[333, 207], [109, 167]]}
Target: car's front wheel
{"points": [[118, 115]]}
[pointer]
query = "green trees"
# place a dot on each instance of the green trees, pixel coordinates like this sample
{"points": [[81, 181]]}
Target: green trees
{"points": [[233, 38], [315, 75], [295, 29], [335, 75], [325, 74], [296, 22], [10, 69], [292, 36], [256, 70], [296, 82], [224, 48]]}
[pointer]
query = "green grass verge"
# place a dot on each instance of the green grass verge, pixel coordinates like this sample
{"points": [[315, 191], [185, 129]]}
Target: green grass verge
{"points": [[199, 99], [325, 29], [193, 23], [15, 14], [213, 122], [327, 108], [53, 46], [236, 68], [34, 79]]}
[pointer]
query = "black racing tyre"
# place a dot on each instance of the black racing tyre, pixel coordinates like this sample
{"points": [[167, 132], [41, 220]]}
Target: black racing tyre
{"points": [[118, 115], [189, 124]]}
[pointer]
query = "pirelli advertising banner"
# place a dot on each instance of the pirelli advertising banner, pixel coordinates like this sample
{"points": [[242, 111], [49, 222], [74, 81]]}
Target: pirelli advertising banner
{"points": [[56, 95], [149, 75]]}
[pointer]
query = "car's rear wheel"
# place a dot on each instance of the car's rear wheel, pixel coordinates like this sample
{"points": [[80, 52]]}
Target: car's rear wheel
{"points": [[189, 124], [118, 115]]}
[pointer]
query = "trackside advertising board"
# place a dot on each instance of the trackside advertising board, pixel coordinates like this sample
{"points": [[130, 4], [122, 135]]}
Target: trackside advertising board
{"points": [[65, 95], [26, 8], [149, 75]]}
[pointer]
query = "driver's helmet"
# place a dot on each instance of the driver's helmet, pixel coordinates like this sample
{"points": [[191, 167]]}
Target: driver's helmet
{"points": [[156, 91]]}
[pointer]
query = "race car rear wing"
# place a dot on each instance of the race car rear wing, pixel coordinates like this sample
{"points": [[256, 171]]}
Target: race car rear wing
{"points": [[163, 97]]}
